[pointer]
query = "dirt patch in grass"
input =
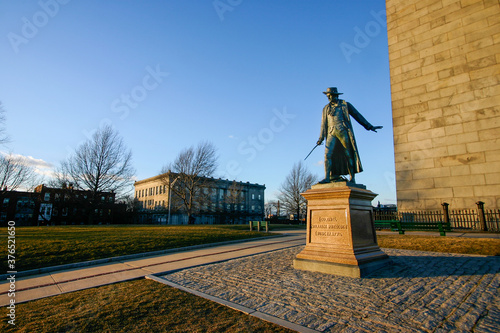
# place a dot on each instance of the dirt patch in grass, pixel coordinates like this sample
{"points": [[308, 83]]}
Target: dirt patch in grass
{"points": [[483, 246]]}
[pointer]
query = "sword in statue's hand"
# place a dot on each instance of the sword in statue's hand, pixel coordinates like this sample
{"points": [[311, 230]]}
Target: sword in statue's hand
{"points": [[319, 143]]}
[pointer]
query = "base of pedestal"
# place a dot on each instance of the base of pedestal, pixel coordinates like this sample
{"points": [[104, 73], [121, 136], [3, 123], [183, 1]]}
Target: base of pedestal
{"points": [[355, 271]]}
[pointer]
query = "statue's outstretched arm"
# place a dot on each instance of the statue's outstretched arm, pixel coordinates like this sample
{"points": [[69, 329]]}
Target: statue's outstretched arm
{"points": [[360, 119]]}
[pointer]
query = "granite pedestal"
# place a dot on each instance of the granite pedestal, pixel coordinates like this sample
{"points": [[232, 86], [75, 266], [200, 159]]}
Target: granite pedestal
{"points": [[341, 237]]}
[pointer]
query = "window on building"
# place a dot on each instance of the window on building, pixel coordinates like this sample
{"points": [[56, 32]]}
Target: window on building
{"points": [[259, 197], [253, 196], [46, 197]]}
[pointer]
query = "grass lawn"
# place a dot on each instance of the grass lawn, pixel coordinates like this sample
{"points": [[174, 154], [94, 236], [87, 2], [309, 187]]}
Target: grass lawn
{"points": [[49, 246], [484, 246], [148, 306], [135, 306]]}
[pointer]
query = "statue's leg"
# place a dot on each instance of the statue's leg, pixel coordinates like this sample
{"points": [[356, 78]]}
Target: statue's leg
{"points": [[329, 146], [346, 143]]}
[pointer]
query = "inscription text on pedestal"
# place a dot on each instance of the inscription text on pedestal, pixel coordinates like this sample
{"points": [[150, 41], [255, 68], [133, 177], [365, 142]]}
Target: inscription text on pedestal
{"points": [[329, 227]]}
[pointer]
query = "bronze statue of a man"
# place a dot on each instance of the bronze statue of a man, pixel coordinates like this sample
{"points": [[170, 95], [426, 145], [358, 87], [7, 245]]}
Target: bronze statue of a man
{"points": [[341, 152]]}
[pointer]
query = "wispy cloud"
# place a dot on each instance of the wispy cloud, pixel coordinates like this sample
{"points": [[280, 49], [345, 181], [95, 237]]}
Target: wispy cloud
{"points": [[40, 166]]}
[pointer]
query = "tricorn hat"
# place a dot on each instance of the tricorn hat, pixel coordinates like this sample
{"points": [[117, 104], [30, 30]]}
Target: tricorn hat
{"points": [[332, 90]]}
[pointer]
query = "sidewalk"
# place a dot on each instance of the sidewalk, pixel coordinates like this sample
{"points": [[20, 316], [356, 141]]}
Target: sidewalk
{"points": [[64, 281]]}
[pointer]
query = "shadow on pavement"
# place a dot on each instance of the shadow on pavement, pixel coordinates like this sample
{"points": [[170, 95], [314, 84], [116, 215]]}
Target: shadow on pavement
{"points": [[436, 265]]}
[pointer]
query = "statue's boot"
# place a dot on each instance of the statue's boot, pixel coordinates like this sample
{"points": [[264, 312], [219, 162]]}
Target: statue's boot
{"points": [[328, 167], [350, 167]]}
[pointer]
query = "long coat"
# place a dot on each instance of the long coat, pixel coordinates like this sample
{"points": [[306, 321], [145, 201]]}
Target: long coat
{"points": [[339, 164]]}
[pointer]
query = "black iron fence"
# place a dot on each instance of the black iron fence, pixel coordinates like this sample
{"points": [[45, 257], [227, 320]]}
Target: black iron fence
{"points": [[478, 219]]}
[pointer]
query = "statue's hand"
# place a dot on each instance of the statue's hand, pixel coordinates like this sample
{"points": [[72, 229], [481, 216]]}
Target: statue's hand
{"points": [[319, 142], [375, 128]]}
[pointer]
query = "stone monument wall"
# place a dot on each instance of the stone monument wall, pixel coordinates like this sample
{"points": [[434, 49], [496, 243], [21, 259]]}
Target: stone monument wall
{"points": [[445, 84]]}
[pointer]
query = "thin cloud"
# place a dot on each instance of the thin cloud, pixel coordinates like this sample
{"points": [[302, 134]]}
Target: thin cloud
{"points": [[40, 166]]}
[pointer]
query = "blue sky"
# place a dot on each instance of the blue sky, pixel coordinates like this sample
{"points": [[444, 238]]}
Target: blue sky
{"points": [[245, 75]]}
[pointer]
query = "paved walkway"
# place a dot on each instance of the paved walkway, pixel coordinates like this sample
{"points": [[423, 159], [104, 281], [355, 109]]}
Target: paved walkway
{"points": [[421, 292]]}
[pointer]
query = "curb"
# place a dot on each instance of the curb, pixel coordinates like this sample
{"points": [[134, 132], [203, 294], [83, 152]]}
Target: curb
{"points": [[49, 269]]}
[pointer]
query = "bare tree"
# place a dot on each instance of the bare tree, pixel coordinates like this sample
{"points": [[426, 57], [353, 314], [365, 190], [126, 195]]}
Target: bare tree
{"points": [[270, 207], [234, 194], [101, 164], [15, 172], [188, 175], [234, 198], [298, 181], [4, 138]]}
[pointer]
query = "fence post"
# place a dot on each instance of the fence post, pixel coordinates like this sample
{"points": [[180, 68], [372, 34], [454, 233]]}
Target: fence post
{"points": [[251, 227], [446, 215], [267, 226], [482, 218], [258, 225]]}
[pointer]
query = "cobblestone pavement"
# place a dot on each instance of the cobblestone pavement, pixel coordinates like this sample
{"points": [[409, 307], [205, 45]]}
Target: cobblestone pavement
{"points": [[420, 292]]}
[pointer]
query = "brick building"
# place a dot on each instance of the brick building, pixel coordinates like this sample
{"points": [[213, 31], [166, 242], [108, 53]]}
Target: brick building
{"points": [[18, 206], [67, 205], [445, 83], [55, 206]]}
